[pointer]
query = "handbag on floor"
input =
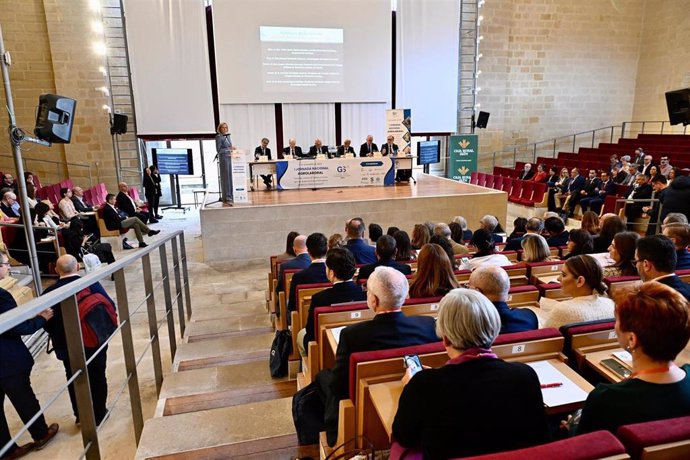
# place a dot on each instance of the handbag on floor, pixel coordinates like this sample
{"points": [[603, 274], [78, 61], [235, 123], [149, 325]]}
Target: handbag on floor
{"points": [[281, 349], [308, 414]]}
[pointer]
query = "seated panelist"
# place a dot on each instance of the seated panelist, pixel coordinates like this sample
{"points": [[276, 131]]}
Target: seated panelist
{"points": [[292, 150], [345, 148], [318, 148], [264, 151], [368, 148], [389, 147]]}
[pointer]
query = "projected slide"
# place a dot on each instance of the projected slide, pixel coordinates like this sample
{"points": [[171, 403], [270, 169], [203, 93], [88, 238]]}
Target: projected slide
{"points": [[173, 161], [302, 59]]}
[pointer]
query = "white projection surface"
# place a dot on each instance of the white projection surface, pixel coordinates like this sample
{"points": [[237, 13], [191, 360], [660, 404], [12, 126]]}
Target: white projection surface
{"points": [[302, 51], [171, 77]]}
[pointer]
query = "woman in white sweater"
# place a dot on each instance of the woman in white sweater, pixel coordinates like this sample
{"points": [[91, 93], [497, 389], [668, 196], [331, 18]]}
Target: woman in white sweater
{"points": [[581, 278]]}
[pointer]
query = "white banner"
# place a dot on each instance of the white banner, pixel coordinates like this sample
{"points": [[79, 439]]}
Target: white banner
{"points": [[398, 125], [239, 177], [339, 172]]}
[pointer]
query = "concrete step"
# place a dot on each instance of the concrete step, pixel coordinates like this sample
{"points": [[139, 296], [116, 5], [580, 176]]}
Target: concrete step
{"points": [[232, 311], [258, 430], [229, 350], [222, 386], [227, 327]]}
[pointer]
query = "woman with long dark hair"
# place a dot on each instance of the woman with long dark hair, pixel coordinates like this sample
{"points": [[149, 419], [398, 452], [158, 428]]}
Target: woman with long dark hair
{"points": [[434, 275]]}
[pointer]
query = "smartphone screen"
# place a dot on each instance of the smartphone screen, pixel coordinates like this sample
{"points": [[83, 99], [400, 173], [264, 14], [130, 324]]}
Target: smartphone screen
{"points": [[412, 362]]}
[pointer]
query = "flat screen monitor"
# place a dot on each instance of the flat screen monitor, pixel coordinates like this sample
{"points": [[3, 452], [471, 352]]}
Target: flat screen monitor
{"points": [[173, 161], [678, 104], [428, 152]]}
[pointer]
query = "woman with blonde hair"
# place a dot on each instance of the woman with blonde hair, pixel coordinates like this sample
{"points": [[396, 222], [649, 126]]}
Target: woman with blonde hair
{"points": [[420, 236], [535, 248], [434, 274]]}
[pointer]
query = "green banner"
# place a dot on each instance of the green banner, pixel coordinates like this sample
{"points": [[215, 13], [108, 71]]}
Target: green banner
{"points": [[462, 153]]}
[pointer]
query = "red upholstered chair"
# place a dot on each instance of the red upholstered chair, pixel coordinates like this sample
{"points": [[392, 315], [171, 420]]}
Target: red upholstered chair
{"points": [[481, 179], [37, 182], [617, 282], [578, 335], [667, 439], [516, 191], [498, 182], [507, 184], [489, 181], [474, 178], [539, 196], [526, 193]]}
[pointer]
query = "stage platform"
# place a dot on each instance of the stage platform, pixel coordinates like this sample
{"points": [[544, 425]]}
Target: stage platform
{"points": [[254, 231]]}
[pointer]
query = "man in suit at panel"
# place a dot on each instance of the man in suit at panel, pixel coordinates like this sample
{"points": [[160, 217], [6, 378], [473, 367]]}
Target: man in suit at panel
{"points": [[389, 147], [387, 289], [293, 150], [264, 151], [340, 269], [317, 246], [368, 148], [640, 191], [493, 282], [345, 148], [301, 261], [318, 148], [126, 204], [115, 219], [656, 261], [385, 252], [364, 253]]}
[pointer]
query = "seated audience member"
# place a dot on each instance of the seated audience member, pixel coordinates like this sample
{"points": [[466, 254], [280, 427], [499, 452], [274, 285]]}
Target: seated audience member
{"points": [[535, 249], [664, 167], [534, 226], [652, 324], [572, 191], [289, 253], [552, 176], [7, 205], [557, 194], [31, 195], [340, 269], [675, 172], [526, 173], [596, 201], [581, 279], [619, 174], [402, 243], [518, 229], [8, 182], [385, 253], [590, 222], [677, 197], [659, 186], [490, 223], [646, 166], [579, 242], [430, 225], [336, 240], [375, 232], [611, 225], [317, 247], [632, 173], [77, 243], [363, 252], [656, 258], [127, 204], [345, 148], [420, 236], [541, 175], [494, 283], [390, 231], [590, 189], [443, 230], [318, 148], [460, 409], [456, 233], [674, 218], [292, 150], [300, 261], [44, 219], [680, 235], [434, 275], [79, 203], [368, 148], [65, 205], [45, 249], [613, 162], [640, 191], [466, 232], [390, 328], [653, 173], [447, 248], [486, 252], [116, 219], [555, 228], [622, 251]]}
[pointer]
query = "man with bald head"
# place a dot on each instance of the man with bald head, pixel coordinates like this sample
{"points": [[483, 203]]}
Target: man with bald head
{"points": [[300, 262], [387, 289], [127, 204], [67, 268], [493, 282]]}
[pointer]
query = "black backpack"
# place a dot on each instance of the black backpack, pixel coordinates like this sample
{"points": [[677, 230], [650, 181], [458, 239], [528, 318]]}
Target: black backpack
{"points": [[308, 414], [281, 349]]}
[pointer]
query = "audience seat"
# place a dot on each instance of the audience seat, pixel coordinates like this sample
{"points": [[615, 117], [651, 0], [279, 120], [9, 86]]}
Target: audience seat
{"points": [[661, 439], [526, 193], [498, 182], [481, 179], [474, 178], [515, 192], [489, 181], [586, 334], [507, 184]]}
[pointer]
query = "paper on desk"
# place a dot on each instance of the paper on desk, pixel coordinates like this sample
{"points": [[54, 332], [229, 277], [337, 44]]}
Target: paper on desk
{"points": [[568, 393], [336, 333]]}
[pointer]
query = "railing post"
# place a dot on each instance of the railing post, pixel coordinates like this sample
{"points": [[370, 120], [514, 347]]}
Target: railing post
{"points": [[554, 148], [153, 323], [662, 127], [611, 137], [593, 134], [534, 155], [178, 286], [128, 351], [185, 275], [168, 302], [643, 124], [82, 388]]}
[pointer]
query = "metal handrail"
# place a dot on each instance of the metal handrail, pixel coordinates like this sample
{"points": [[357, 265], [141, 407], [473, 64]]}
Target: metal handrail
{"points": [[54, 162]]}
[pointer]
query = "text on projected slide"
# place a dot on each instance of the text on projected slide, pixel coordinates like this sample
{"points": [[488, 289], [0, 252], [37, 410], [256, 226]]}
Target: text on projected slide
{"points": [[302, 59]]}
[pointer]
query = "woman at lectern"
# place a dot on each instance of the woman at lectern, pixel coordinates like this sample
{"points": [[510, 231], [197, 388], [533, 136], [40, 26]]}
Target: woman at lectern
{"points": [[223, 148]]}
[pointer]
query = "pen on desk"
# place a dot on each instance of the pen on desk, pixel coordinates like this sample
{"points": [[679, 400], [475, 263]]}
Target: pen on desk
{"points": [[552, 385]]}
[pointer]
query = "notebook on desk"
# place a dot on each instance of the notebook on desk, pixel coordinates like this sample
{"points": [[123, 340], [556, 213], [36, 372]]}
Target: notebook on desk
{"points": [[560, 389]]}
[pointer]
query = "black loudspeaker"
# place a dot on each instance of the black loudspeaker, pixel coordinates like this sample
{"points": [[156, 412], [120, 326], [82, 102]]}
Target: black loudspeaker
{"points": [[55, 118], [678, 104], [119, 125], [482, 119]]}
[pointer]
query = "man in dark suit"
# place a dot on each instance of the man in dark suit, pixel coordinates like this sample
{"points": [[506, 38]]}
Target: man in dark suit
{"points": [[318, 148], [67, 268], [656, 261], [677, 197], [534, 225], [340, 269], [263, 151], [317, 246], [78, 199], [589, 190], [596, 201], [385, 252], [364, 253], [345, 148], [7, 203], [387, 289], [116, 219], [293, 150], [493, 282], [389, 147], [527, 172], [659, 186], [368, 148], [126, 204], [646, 165], [640, 191], [555, 228], [300, 261], [573, 189], [680, 235]]}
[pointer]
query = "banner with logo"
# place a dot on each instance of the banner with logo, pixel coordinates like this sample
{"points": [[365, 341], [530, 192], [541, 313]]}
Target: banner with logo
{"points": [[462, 156], [399, 125], [336, 172], [239, 177]]}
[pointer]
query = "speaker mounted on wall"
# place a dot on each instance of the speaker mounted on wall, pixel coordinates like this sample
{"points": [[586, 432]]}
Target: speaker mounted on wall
{"points": [[118, 124], [678, 105], [55, 118], [483, 119]]}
